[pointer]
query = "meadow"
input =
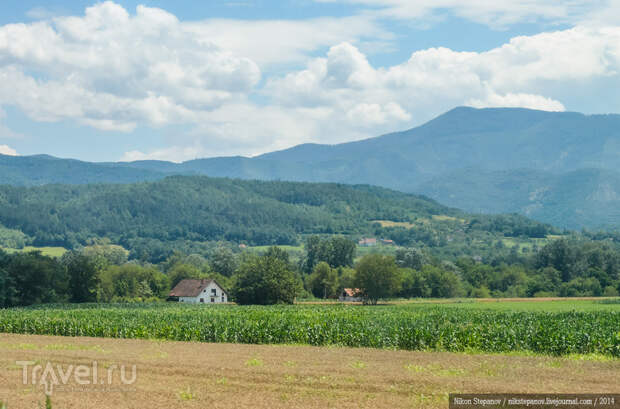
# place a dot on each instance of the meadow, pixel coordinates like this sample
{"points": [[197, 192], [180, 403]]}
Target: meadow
{"points": [[46, 251], [545, 327]]}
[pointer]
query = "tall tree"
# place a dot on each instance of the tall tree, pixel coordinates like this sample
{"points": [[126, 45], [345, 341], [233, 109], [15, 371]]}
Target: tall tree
{"points": [[377, 277], [336, 251], [83, 276], [37, 278], [410, 258], [223, 261], [266, 280], [323, 280]]}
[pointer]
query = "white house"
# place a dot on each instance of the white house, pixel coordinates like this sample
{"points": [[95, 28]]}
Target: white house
{"points": [[199, 291]]}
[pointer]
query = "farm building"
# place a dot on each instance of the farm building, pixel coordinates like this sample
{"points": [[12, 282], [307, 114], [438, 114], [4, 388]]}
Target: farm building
{"points": [[199, 291], [350, 294], [367, 242]]}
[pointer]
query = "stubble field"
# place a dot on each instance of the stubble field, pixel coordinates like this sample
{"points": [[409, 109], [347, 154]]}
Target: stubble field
{"points": [[199, 375]]}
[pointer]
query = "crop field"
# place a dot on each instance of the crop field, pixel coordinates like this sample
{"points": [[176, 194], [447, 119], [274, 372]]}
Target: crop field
{"points": [[200, 375], [585, 327]]}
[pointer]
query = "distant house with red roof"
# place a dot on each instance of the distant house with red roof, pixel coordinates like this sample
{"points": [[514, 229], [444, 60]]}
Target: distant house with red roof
{"points": [[350, 294], [367, 242]]}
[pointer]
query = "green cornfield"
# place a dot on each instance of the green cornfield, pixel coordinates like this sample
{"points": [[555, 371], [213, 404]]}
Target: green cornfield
{"points": [[419, 327]]}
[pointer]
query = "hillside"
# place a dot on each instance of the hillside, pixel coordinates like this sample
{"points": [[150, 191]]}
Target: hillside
{"points": [[181, 212], [43, 169], [586, 197], [489, 160]]}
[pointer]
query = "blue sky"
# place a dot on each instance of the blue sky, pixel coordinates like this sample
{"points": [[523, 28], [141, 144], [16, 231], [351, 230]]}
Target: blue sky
{"points": [[127, 80]]}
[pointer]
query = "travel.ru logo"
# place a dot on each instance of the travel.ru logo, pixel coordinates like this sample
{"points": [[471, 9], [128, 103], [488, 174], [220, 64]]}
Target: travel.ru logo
{"points": [[50, 376]]}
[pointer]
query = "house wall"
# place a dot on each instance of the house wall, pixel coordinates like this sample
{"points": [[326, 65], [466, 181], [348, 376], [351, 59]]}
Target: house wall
{"points": [[206, 295], [349, 298]]}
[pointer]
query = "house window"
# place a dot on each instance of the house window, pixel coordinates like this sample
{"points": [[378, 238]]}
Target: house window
{"points": [[222, 298], [212, 299], [202, 300], [213, 291]]}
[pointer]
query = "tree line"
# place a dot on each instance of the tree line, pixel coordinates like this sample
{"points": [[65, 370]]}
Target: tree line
{"points": [[102, 272]]}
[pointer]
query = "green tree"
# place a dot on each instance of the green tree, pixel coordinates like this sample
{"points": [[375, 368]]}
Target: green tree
{"points": [[83, 276], [336, 251], [346, 278], [7, 290], [130, 281], [414, 284], [342, 252], [37, 278], [410, 258], [182, 271], [265, 280], [106, 254], [442, 283], [377, 277], [279, 253], [323, 281], [223, 261]]}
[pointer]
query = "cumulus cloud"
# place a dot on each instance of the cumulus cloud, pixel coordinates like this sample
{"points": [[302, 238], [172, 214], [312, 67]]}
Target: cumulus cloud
{"points": [[532, 72], [7, 150], [248, 87], [111, 70]]}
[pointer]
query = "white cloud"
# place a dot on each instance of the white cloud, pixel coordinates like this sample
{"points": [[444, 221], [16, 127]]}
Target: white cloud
{"points": [[40, 13], [272, 42], [497, 14], [119, 71], [532, 72], [115, 71], [7, 150], [173, 153], [517, 101], [111, 70]]}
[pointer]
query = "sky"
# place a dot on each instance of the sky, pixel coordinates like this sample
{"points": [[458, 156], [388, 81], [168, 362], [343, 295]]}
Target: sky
{"points": [[133, 80]]}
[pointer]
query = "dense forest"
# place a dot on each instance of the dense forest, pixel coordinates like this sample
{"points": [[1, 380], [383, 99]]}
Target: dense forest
{"points": [[186, 213]]}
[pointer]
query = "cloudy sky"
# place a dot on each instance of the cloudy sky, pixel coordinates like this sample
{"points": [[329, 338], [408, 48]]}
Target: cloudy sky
{"points": [[128, 80]]}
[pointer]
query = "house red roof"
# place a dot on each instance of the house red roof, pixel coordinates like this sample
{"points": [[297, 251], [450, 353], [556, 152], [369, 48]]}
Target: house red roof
{"points": [[351, 292], [368, 241]]}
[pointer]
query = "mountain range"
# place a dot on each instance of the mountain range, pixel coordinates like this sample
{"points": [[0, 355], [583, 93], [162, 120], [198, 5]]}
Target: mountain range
{"points": [[561, 168]]}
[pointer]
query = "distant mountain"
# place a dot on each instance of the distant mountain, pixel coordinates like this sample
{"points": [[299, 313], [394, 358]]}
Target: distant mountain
{"points": [[44, 169], [558, 167], [581, 198]]}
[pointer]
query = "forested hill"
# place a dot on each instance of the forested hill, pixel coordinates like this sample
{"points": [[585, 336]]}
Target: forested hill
{"points": [[152, 218], [556, 167], [43, 169]]}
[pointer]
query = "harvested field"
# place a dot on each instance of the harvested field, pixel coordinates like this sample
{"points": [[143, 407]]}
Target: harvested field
{"points": [[199, 375]]}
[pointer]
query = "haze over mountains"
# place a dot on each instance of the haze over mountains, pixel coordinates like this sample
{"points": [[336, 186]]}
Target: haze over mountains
{"points": [[557, 167]]}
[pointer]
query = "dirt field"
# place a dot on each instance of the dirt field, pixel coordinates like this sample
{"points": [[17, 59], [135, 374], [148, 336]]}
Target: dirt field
{"points": [[191, 375]]}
